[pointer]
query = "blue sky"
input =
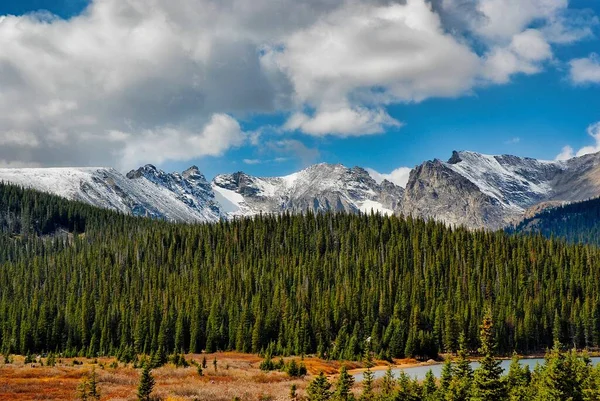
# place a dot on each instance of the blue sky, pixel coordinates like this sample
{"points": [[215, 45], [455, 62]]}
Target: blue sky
{"points": [[534, 107]]}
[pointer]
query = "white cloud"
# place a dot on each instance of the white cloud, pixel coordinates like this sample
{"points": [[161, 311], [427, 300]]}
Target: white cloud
{"points": [[585, 70], [399, 176], [567, 152], [362, 56], [501, 20], [131, 76], [218, 135], [343, 122], [524, 54]]}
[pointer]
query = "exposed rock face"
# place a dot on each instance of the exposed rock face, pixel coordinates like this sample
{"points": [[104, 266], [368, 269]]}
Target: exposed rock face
{"points": [[435, 191], [145, 192], [470, 189], [478, 190], [322, 187]]}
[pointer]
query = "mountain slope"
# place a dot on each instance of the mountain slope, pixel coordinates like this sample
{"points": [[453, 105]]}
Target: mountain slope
{"points": [[576, 222], [145, 192], [322, 187], [470, 189], [479, 190]]}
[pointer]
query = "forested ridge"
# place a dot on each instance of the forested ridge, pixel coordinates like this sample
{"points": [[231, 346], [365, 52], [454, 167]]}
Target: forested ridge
{"points": [[576, 222], [289, 284]]}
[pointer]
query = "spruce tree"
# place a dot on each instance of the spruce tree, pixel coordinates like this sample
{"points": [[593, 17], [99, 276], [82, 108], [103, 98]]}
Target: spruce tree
{"points": [[146, 384], [388, 386], [518, 379], [343, 387], [487, 381], [429, 387], [93, 392], [368, 377], [319, 389]]}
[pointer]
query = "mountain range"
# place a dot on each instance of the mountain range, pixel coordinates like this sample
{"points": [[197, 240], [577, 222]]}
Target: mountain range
{"points": [[470, 189]]}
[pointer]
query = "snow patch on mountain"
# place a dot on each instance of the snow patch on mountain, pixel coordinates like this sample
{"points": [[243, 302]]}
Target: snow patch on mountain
{"points": [[150, 193], [515, 182]]}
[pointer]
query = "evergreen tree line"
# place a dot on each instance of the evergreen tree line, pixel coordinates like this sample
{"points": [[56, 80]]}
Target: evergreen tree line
{"points": [[563, 376], [280, 285], [575, 222]]}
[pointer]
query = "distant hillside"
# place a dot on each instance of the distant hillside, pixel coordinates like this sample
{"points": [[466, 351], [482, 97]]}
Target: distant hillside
{"points": [[576, 222]]}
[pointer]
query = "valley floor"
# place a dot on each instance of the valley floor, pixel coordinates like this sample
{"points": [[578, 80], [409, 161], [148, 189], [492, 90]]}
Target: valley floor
{"points": [[237, 375]]}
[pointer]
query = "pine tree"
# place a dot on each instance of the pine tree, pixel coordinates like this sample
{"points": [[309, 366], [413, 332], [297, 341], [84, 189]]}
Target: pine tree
{"points": [[462, 379], [429, 387], [388, 386], [82, 390], [343, 388], [487, 382], [146, 384], [93, 392], [368, 377], [518, 380], [319, 389]]}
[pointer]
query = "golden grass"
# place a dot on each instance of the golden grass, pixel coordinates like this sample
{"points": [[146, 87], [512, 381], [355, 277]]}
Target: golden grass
{"points": [[237, 375]]}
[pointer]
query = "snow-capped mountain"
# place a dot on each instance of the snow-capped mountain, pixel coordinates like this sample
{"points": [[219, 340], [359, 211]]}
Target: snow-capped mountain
{"points": [[471, 189], [144, 192], [479, 190], [321, 187]]}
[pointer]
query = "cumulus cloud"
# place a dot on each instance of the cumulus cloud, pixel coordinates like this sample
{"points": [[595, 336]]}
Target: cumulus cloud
{"points": [[131, 81], [219, 134], [524, 54], [585, 70], [343, 122], [370, 54], [568, 152], [398, 176]]}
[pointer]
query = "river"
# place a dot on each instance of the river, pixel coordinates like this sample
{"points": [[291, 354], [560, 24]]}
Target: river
{"points": [[420, 371]]}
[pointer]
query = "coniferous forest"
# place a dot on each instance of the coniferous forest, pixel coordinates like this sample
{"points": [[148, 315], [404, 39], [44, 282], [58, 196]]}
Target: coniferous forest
{"points": [[577, 222], [84, 281]]}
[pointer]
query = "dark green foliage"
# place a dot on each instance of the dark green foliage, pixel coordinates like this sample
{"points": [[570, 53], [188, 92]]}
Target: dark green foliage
{"points": [[487, 380], [343, 387], [388, 386], [146, 384], [268, 365], [88, 388], [429, 387], [293, 369], [93, 392], [576, 222], [84, 281], [460, 387], [518, 380], [319, 389]]}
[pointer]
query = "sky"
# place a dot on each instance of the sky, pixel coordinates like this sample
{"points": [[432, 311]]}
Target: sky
{"points": [[272, 86]]}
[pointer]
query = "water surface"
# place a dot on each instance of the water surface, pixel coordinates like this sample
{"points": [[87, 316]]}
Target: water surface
{"points": [[420, 371]]}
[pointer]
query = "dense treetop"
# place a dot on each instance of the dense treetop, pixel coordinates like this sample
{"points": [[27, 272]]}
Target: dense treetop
{"points": [[289, 284], [576, 222]]}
